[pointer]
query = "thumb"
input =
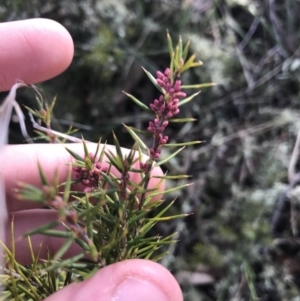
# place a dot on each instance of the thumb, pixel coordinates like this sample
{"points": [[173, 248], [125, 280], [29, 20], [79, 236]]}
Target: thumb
{"points": [[129, 280]]}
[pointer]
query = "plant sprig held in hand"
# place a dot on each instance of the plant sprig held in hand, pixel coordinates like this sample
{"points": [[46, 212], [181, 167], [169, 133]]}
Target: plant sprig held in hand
{"points": [[112, 218]]}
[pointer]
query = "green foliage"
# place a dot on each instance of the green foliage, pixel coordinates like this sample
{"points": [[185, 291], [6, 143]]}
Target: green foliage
{"points": [[249, 121], [112, 218]]}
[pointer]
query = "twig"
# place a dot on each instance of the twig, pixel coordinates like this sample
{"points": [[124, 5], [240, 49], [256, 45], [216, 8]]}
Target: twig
{"points": [[293, 161], [52, 132]]}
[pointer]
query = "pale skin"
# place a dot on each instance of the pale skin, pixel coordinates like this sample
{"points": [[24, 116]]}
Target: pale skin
{"points": [[34, 51]]}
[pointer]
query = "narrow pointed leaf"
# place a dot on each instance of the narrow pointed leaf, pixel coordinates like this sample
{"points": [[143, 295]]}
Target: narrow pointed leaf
{"points": [[136, 138], [170, 190], [167, 218], [57, 233], [67, 185], [65, 263], [188, 99], [42, 228], [119, 152], [196, 64], [199, 86], [175, 177], [169, 157], [185, 50], [52, 104], [176, 59], [136, 130], [138, 102], [188, 63], [180, 48], [42, 175], [183, 143], [160, 256], [172, 68], [65, 247], [74, 155], [153, 80], [182, 120], [29, 192], [97, 149], [170, 44], [115, 161]]}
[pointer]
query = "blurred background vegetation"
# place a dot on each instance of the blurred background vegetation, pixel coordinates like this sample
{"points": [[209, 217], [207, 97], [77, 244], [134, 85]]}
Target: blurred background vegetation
{"points": [[242, 240]]}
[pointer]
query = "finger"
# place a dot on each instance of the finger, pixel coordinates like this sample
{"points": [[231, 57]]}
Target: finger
{"points": [[129, 280], [43, 245], [19, 163], [33, 51]]}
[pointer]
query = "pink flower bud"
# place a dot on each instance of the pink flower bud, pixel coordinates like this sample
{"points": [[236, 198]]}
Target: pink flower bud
{"points": [[165, 123], [180, 94], [86, 182], [160, 82], [169, 115], [176, 112], [167, 72], [160, 75]]}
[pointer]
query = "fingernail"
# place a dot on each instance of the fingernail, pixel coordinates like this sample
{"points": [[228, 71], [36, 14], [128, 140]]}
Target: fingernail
{"points": [[138, 290]]}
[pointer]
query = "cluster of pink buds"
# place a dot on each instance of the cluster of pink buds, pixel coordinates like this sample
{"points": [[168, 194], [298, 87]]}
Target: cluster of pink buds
{"points": [[90, 176], [165, 107]]}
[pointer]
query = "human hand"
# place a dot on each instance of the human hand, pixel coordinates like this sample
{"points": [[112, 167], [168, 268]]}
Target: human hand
{"points": [[34, 51]]}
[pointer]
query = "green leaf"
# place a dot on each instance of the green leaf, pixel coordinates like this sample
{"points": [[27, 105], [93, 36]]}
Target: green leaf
{"points": [[115, 161], [68, 185], [153, 80], [176, 59], [167, 218], [179, 49], [33, 112], [182, 120], [97, 149], [185, 50], [42, 175], [109, 180], [169, 157], [160, 256], [136, 138], [87, 159], [136, 130], [101, 157], [199, 86], [169, 190], [183, 143], [74, 155], [190, 64], [65, 263], [29, 192], [187, 99], [170, 44], [175, 177], [42, 229], [151, 222], [52, 105], [64, 248], [138, 102], [172, 67], [119, 153]]}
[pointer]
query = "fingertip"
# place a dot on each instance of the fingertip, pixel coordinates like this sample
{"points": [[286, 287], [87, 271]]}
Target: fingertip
{"points": [[134, 279], [33, 50]]}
